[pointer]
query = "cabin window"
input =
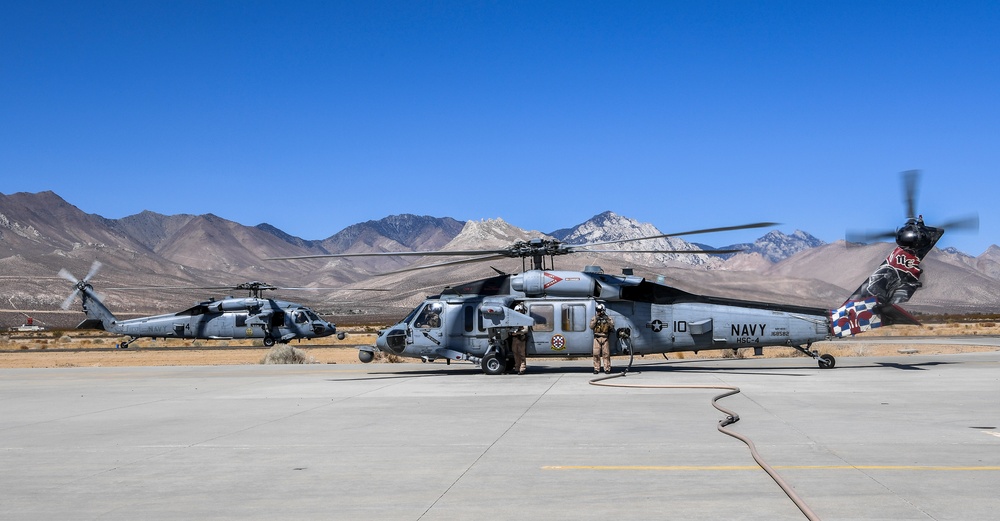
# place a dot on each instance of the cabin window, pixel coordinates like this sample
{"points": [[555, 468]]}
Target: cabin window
{"points": [[544, 315], [470, 317], [277, 319], [241, 320], [574, 317]]}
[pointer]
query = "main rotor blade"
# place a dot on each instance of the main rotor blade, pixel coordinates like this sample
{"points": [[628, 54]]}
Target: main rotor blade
{"points": [[134, 288], [688, 252], [389, 254], [910, 181], [448, 263], [665, 235], [333, 289]]}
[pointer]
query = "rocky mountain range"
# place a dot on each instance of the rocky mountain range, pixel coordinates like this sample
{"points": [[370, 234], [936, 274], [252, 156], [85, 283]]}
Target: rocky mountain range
{"points": [[42, 233]]}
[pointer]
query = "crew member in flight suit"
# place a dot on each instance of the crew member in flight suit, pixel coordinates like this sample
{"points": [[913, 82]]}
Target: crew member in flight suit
{"points": [[602, 325], [429, 318], [518, 341]]}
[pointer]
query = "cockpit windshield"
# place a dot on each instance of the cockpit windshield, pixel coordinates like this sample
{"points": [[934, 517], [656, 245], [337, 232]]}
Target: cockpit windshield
{"points": [[429, 317]]}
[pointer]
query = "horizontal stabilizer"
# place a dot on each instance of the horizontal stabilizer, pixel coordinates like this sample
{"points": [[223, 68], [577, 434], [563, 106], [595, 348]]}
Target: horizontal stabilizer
{"points": [[91, 323], [893, 314]]}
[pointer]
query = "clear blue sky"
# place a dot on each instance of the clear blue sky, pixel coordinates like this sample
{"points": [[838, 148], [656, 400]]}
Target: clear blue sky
{"points": [[313, 116]]}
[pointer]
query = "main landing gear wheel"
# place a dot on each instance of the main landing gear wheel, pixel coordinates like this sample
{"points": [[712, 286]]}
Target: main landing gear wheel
{"points": [[493, 364], [268, 341], [827, 361]]}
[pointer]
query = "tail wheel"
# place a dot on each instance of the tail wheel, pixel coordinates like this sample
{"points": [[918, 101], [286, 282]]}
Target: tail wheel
{"points": [[827, 361]]}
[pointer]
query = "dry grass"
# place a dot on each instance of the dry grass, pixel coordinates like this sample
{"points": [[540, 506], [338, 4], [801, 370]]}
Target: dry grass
{"points": [[286, 354], [87, 349]]}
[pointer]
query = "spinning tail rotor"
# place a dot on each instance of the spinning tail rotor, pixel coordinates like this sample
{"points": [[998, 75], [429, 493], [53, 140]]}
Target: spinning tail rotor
{"points": [[876, 302], [914, 235], [80, 284]]}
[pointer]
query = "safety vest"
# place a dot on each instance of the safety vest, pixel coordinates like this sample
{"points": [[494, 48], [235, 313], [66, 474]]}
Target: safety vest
{"points": [[603, 325]]}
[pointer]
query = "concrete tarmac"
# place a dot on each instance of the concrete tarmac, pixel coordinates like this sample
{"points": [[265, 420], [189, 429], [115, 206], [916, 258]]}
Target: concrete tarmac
{"points": [[909, 437]]}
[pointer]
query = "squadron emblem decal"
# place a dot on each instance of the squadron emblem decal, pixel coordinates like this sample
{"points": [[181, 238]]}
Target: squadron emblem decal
{"points": [[558, 342]]}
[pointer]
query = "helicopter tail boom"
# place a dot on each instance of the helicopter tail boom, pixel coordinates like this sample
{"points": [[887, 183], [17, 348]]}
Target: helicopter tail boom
{"points": [[98, 315]]}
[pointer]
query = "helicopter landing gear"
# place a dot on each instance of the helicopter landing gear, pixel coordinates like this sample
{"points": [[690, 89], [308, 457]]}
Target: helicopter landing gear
{"points": [[268, 341], [825, 361], [493, 364], [124, 345]]}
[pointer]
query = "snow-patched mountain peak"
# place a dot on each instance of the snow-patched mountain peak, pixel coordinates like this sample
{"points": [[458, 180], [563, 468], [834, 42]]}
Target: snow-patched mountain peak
{"points": [[777, 246], [609, 226]]}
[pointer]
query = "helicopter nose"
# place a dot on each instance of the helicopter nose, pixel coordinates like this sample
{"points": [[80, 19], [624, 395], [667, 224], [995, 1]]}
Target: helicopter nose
{"points": [[394, 340]]}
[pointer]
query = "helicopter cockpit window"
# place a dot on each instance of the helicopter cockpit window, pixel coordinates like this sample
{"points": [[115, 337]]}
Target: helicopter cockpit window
{"points": [[544, 315], [301, 317], [430, 317]]}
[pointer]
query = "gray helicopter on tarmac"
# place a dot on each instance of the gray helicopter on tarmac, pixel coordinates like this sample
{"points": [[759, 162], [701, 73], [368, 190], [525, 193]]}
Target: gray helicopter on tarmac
{"points": [[253, 316], [474, 321]]}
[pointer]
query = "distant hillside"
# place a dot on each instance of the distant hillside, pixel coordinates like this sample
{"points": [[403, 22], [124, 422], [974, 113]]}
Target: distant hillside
{"points": [[42, 233]]}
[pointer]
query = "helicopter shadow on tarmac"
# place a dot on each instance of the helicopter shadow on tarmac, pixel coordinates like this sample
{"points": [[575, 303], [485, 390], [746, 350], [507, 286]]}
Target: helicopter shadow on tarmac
{"points": [[674, 365], [908, 367], [698, 366]]}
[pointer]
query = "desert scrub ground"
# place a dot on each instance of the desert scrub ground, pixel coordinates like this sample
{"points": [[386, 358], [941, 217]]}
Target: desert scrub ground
{"points": [[95, 349]]}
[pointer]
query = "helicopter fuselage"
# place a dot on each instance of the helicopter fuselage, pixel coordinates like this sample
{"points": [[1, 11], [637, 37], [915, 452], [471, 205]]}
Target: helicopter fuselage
{"points": [[229, 318], [473, 321]]}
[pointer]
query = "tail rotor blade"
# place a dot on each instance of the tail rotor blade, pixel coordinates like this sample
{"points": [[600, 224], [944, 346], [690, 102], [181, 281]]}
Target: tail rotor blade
{"points": [[910, 180], [69, 300], [869, 236], [64, 273], [967, 223], [94, 268]]}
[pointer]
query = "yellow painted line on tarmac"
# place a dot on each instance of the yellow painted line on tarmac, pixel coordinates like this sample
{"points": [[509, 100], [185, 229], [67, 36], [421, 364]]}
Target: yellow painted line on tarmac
{"points": [[678, 468]]}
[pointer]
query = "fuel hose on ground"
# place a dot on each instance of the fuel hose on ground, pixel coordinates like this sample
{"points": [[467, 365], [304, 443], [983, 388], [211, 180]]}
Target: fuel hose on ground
{"points": [[731, 418]]}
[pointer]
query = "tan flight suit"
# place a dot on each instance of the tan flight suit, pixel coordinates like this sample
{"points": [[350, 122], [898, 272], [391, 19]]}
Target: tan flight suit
{"points": [[603, 326], [518, 341]]}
